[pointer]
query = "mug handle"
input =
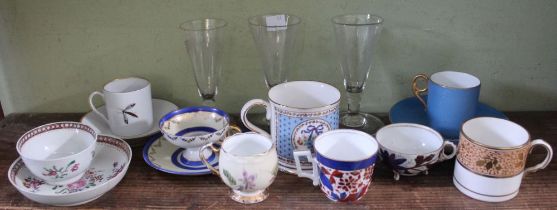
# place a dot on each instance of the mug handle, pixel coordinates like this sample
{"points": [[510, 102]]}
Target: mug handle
{"points": [[204, 160], [95, 108], [416, 90], [314, 175], [244, 113], [547, 159], [443, 156]]}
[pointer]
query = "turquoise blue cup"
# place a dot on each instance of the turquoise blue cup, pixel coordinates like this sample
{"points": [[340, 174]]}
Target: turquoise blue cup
{"points": [[452, 98]]}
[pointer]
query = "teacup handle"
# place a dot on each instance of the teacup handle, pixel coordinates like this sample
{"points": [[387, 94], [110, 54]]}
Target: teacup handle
{"points": [[204, 160], [244, 115], [95, 108], [314, 175], [443, 156], [547, 159], [416, 90]]}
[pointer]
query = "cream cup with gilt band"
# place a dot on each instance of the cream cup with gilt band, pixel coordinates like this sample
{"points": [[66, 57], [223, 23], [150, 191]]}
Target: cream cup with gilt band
{"points": [[491, 158]]}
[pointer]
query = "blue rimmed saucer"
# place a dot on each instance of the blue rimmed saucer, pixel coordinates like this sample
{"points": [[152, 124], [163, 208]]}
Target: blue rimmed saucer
{"points": [[411, 110], [167, 157]]}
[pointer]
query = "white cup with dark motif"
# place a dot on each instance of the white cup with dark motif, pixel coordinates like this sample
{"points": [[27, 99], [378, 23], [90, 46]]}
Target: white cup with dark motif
{"points": [[128, 104], [410, 149], [60, 152]]}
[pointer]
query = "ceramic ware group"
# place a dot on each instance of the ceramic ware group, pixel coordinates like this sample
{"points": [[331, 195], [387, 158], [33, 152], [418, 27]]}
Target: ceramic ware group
{"points": [[70, 163]]}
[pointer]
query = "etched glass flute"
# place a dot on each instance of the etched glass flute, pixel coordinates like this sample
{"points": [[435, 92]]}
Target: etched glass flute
{"points": [[356, 35], [204, 44], [278, 42]]}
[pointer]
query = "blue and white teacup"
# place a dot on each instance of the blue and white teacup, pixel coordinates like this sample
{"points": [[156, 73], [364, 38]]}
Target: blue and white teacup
{"points": [[193, 127], [452, 99], [298, 111], [343, 164], [410, 149]]}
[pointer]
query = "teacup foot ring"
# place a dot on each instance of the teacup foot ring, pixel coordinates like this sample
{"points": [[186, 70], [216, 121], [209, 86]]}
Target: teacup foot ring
{"points": [[249, 198]]}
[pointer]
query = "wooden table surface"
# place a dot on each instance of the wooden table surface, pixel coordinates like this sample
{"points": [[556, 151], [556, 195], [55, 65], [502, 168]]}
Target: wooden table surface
{"points": [[145, 187]]}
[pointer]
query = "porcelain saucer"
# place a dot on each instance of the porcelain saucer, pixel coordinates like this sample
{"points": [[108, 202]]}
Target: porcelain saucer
{"points": [[160, 108], [111, 162], [411, 110], [167, 157]]}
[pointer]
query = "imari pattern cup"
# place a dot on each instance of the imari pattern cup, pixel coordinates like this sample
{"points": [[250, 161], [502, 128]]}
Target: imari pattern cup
{"points": [[248, 164], [299, 111], [343, 163], [491, 158], [59, 153]]}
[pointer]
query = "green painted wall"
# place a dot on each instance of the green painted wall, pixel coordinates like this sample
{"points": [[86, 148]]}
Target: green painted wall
{"points": [[54, 53]]}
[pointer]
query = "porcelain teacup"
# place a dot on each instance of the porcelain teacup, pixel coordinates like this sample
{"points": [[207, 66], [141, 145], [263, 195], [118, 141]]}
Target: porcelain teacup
{"points": [[492, 156], [193, 127], [343, 164], [129, 107], [410, 149], [248, 164], [452, 98], [59, 153]]}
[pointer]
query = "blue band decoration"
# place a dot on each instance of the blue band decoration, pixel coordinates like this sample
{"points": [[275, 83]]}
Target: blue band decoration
{"points": [[193, 109], [346, 165], [196, 129]]}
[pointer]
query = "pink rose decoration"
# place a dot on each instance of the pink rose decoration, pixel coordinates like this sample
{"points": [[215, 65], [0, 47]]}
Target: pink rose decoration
{"points": [[75, 167], [76, 185]]}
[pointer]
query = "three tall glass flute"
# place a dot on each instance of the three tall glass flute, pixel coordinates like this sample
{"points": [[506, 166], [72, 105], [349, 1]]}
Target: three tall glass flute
{"points": [[204, 43], [356, 35]]}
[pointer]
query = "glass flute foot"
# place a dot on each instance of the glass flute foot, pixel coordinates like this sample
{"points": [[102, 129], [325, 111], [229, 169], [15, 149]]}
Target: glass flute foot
{"points": [[249, 198], [361, 121]]}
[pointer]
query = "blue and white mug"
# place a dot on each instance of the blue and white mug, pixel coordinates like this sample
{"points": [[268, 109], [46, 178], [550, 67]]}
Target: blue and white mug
{"points": [[452, 99], [343, 164], [298, 111]]}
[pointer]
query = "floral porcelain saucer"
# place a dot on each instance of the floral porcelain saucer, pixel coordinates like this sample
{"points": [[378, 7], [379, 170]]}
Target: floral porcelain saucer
{"points": [[160, 108], [167, 157], [410, 110], [111, 162]]}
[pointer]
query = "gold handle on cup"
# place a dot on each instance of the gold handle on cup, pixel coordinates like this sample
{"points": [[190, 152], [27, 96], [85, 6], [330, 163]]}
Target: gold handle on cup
{"points": [[416, 90], [204, 160]]}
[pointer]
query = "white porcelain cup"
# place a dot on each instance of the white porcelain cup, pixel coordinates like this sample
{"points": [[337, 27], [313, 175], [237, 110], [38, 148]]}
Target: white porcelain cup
{"points": [[128, 104], [248, 164], [410, 149], [491, 158], [59, 152]]}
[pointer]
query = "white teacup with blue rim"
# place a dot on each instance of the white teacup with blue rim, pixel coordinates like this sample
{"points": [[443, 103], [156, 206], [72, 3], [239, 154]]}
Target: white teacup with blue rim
{"points": [[193, 127], [410, 149], [343, 164]]}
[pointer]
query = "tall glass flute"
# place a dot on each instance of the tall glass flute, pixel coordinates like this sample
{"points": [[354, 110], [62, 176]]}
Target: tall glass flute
{"points": [[278, 41], [204, 43], [356, 35]]}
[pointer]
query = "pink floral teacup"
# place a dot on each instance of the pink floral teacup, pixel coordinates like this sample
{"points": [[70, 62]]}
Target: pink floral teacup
{"points": [[58, 152]]}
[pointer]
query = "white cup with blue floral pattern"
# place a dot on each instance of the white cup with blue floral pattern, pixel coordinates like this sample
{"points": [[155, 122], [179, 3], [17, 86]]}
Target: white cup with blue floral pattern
{"points": [[298, 111], [410, 149], [248, 164]]}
